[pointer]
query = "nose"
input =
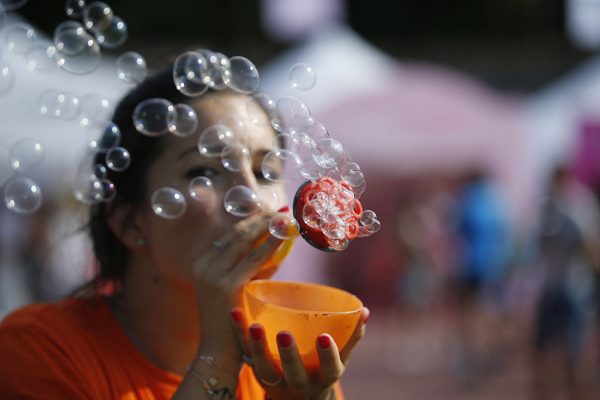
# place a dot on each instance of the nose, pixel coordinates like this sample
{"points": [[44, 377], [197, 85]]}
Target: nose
{"points": [[246, 176]]}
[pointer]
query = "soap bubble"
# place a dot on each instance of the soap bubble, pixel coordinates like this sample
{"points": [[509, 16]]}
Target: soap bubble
{"points": [[242, 75], [367, 217], [168, 203], [234, 123], [25, 154], [20, 38], [114, 35], [22, 195], [332, 226], [151, 117], [310, 215], [330, 153], [268, 197], [11, 5], [97, 16], [90, 189], [59, 105], [131, 67], [213, 140], [77, 51], [283, 226], [189, 71], [338, 244], [100, 171], [201, 189], [302, 76], [352, 174], [217, 65], [234, 156], [291, 115], [241, 201], [74, 8], [317, 131], [109, 138], [359, 190], [69, 38], [185, 120], [260, 107], [96, 111], [118, 159], [321, 203], [7, 78], [273, 163], [41, 57]]}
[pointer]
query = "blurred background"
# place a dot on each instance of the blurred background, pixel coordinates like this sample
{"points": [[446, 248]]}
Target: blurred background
{"points": [[477, 125]]}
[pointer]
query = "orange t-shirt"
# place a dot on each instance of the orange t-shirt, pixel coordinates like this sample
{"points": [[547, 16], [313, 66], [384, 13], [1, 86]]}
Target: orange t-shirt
{"points": [[74, 349]]}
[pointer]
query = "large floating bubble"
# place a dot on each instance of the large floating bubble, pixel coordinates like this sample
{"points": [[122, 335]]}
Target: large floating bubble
{"points": [[25, 154], [168, 203], [302, 76], [151, 117], [77, 51], [185, 120], [22, 195], [189, 71], [273, 163], [20, 38], [213, 140], [74, 8], [97, 16], [118, 159], [96, 111], [109, 138], [283, 226], [260, 108], [41, 57], [217, 66], [59, 105], [291, 116], [11, 5], [241, 201], [131, 67], [202, 189], [114, 35], [242, 75], [7, 78], [234, 156]]}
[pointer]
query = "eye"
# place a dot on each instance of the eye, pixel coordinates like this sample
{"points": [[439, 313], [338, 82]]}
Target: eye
{"points": [[208, 172], [261, 177]]}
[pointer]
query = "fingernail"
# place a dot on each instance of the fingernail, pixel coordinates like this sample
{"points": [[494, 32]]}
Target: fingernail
{"points": [[236, 315], [368, 314], [257, 333], [284, 209], [324, 342], [284, 339]]}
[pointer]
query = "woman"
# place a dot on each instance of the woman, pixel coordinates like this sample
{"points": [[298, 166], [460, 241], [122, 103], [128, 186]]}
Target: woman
{"points": [[169, 326]]}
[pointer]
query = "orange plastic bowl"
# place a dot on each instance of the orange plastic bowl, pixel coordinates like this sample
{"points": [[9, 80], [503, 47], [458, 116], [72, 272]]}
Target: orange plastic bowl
{"points": [[304, 309]]}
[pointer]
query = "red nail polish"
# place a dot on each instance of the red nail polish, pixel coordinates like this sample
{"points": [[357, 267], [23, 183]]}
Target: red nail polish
{"points": [[324, 342], [284, 339], [236, 315], [284, 209], [257, 333]]}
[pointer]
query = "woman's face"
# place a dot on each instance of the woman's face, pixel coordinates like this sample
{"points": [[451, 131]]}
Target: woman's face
{"points": [[174, 244]]}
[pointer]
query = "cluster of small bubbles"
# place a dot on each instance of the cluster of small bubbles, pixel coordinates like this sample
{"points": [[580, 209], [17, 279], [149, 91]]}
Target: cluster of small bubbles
{"points": [[25, 154], [302, 76], [241, 201], [91, 189], [20, 38], [329, 153], [76, 51], [260, 107], [283, 226], [118, 158], [184, 121], [152, 117], [110, 137], [234, 156], [22, 195], [369, 224], [59, 105], [291, 115], [268, 197], [74, 8], [273, 163], [317, 131], [131, 67], [41, 57], [217, 66], [201, 189], [352, 174], [189, 71], [11, 5], [241, 76], [168, 203], [7, 78], [214, 139], [96, 111]]}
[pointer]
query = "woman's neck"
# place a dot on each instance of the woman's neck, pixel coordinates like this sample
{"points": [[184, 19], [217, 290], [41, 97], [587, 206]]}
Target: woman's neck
{"points": [[159, 317]]}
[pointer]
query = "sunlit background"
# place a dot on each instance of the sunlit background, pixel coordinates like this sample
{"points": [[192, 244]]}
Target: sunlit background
{"points": [[477, 125]]}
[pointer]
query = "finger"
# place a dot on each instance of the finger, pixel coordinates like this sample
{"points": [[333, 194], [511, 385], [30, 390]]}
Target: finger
{"points": [[254, 260], [358, 334], [240, 325], [264, 367], [331, 366], [293, 367]]}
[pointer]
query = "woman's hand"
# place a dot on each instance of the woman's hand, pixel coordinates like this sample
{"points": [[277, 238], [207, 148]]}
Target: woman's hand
{"points": [[220, 275], [294, 381]]}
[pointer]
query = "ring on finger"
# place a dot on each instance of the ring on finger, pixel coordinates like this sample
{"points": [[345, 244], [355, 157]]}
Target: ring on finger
{"points": [[273, 383], [247, 359]]}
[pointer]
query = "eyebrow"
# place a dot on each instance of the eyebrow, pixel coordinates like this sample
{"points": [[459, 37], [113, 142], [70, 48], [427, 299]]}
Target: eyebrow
{"points": [[188, 151]]}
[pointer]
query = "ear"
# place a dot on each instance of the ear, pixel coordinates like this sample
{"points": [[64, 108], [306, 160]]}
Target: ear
{"points": [[123, 223]]}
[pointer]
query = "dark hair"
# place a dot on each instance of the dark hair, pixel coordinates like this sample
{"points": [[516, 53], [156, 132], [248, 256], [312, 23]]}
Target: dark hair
{"points": [[131, 183]]}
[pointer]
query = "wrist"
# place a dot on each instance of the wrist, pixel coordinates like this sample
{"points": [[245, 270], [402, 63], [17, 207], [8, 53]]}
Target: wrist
{"points": [[216, 379]]}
